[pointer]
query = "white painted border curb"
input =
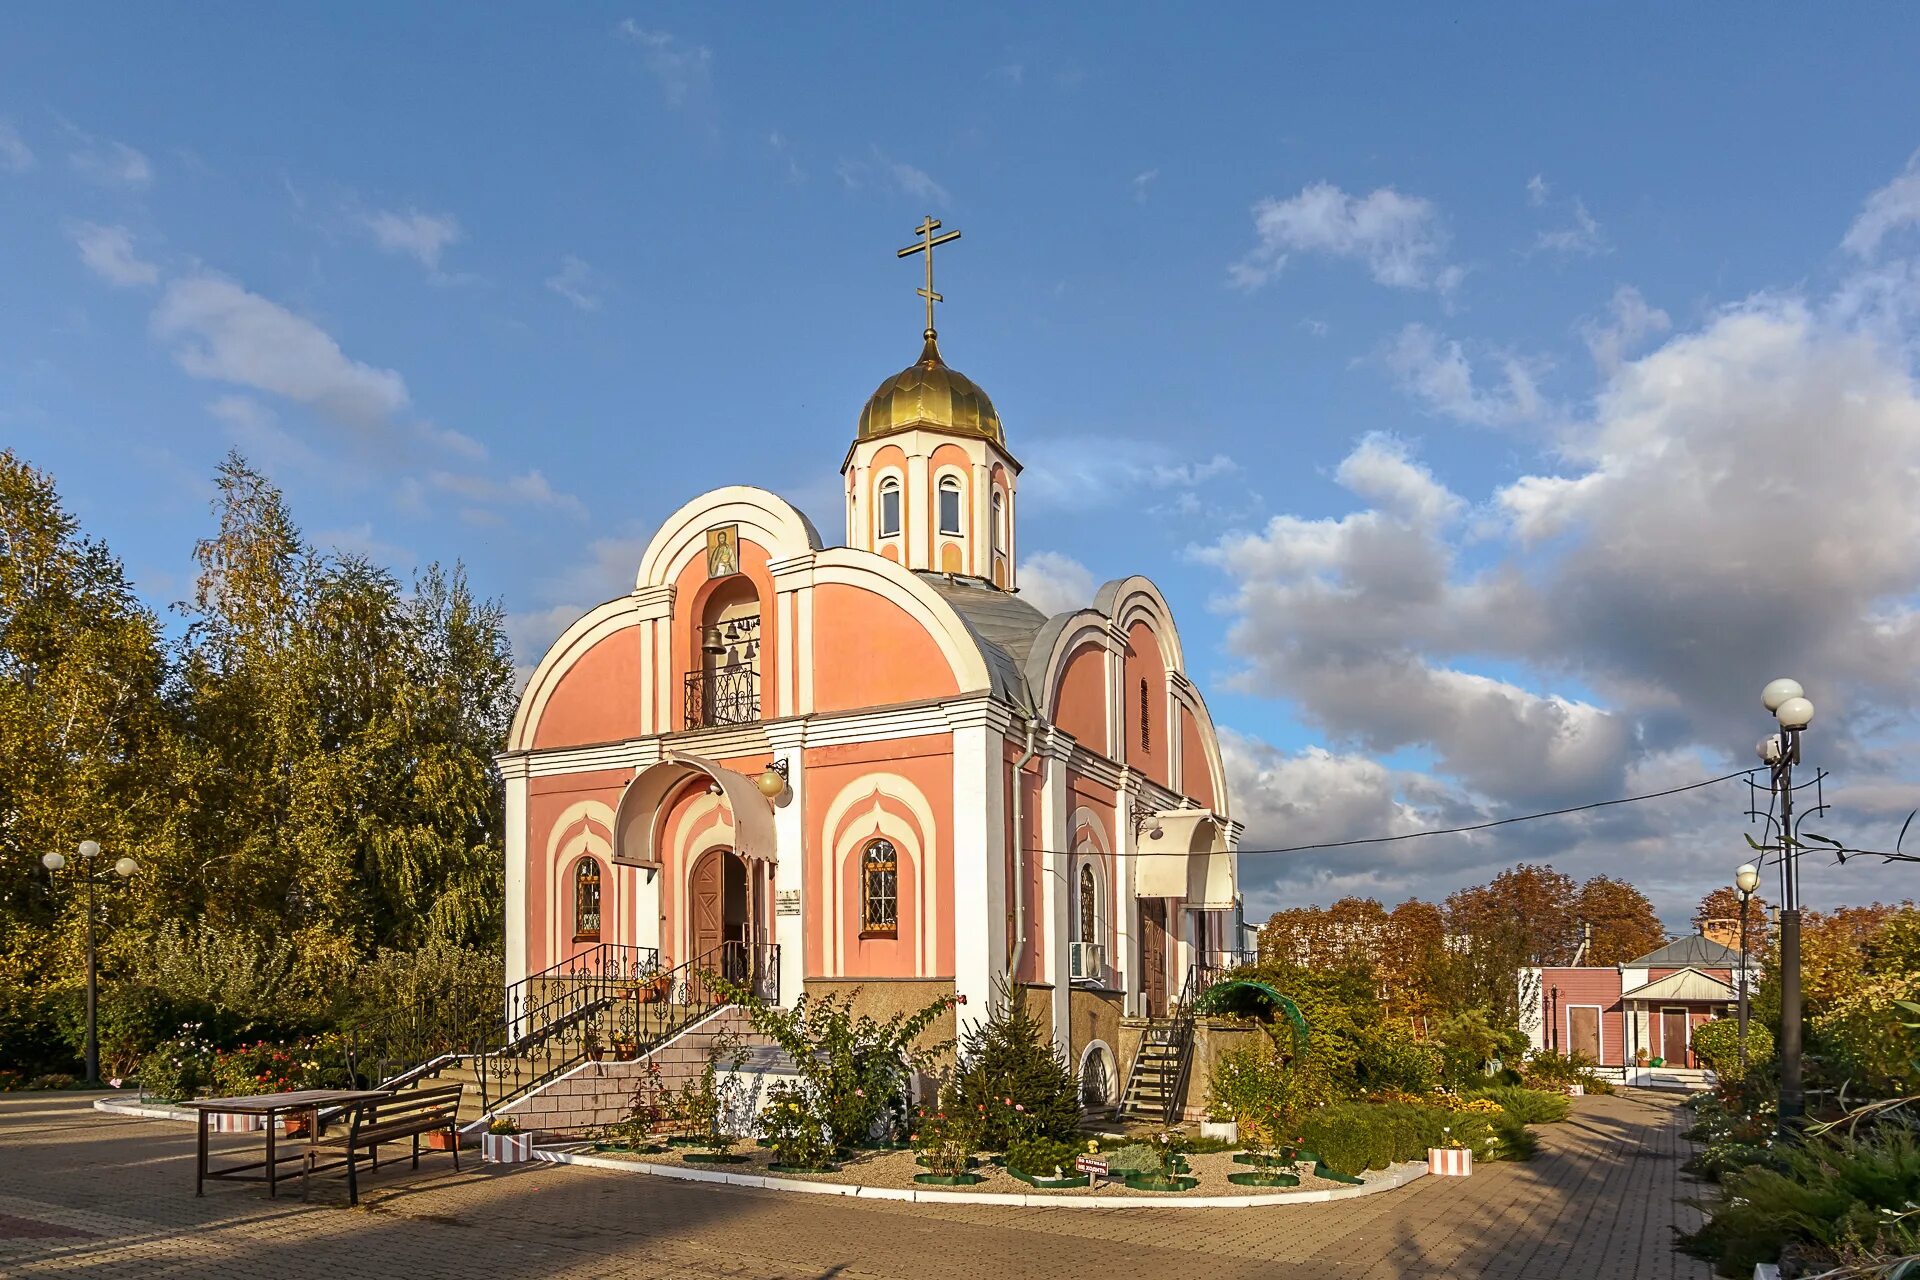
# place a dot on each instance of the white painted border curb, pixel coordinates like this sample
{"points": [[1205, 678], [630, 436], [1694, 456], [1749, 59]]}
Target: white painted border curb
{"points": [[144, 1110], [1387, 1181]]}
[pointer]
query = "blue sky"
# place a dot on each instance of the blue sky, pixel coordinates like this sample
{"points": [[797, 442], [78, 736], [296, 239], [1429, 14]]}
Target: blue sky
{"points": [[1355, 335]]}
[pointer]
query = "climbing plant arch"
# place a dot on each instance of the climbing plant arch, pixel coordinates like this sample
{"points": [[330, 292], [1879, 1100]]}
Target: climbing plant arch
{"points": [[1235, 995]]}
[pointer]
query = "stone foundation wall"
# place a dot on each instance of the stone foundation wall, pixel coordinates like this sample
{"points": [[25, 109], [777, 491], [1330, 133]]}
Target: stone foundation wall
{"points": [[881, 1000]]}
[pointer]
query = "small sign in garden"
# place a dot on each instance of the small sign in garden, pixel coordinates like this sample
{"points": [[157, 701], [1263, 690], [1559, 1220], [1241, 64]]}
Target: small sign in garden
{"points": [[1091, 1164]]}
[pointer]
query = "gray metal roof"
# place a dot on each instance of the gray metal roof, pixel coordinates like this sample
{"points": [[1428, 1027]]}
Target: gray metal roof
{"points": [[1003, 625], [1695, 949]]}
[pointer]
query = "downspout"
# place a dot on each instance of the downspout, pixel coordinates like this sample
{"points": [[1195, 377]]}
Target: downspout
{"points": [[1019, 860]]}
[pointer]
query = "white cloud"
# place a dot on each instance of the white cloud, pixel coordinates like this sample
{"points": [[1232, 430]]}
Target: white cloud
{"points": [[484, 493], [221, 331], [108, 253], [1584, 237], [1398, 237], [1537, 190], [1142, 183], [1892, 208], [683, 71], [112, 164], [1652, 571], [1631, 320], [577, 282], [420, 236], [1055, 583], [1436, 371], [881, 171], [15, 155], [1078, 472]]}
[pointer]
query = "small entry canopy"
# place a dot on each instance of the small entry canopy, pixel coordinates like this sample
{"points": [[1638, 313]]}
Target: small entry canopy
{"points": [[636, 822], [1189, 859]]}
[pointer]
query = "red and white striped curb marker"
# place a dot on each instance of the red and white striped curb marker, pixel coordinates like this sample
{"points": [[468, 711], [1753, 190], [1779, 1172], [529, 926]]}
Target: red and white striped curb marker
{"points": [[1450, 1162], [506, 1148]]}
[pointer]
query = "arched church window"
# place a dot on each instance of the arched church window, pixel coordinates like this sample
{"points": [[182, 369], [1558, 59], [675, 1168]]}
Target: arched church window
{"points": [[949, 505], [586, 900], [1088, 913], [999, 533], [879, 890], [1146, 718], [889, 508]]}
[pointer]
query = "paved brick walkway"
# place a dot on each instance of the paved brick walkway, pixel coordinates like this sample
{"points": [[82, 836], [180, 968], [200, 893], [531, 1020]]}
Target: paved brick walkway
{"points": [[85, 1193]]}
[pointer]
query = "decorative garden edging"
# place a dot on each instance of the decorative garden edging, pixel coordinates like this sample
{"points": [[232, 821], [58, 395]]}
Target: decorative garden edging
{"points": [[144, 1110], [1387, 1180]]}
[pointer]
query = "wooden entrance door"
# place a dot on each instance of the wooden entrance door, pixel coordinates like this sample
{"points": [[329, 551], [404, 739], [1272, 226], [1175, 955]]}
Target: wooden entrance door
{"points": [[1583, 1031], [1153, 956], [716, 914], [1673, 1037]]}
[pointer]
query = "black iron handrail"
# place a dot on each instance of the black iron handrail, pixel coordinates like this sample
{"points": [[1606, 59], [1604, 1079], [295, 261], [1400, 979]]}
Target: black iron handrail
{"points": [[625, 1016]]}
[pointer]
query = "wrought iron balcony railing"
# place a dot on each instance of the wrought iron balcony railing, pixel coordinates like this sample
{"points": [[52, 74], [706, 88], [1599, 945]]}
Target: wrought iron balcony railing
{"points": [[724, 695]]}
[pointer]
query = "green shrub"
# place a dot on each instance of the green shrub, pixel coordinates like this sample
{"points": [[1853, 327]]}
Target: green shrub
{"points": [[1042, 1157], [178, 1067], [1829, 1198], [1469, 1041], [1528, 1106], [793, 1128], [1135, 1157], [1717, 1045], [259, 1067], [1013, 1075], [1352, 1137], [853, 1069], [54, 1080], [1513, 1140]]}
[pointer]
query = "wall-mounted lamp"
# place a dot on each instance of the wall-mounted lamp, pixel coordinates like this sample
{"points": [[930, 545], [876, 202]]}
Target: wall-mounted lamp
{"points": [[772, 780]]}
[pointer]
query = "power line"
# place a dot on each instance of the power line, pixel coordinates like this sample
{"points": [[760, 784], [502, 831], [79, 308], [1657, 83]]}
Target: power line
{"points": [[1454, 831]]}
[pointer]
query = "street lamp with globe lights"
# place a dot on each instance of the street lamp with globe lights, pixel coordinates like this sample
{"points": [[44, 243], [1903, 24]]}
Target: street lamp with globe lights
{"points": [[1746, 879], [1788, 702], [122, 870]]}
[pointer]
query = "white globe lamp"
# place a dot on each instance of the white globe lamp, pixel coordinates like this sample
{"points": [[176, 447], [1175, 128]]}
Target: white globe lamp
{"points": [[1778, 691]]}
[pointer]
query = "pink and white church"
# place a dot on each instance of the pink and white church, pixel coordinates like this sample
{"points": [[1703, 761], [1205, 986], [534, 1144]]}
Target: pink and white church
{"points": [[972, 790]]}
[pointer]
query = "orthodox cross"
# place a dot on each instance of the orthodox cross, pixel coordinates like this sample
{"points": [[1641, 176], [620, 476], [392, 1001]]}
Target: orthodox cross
{"points": [[927, 240]]}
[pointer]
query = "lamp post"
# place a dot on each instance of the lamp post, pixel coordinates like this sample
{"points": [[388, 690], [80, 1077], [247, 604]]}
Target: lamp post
{"points": [[1746, 880], [1788, 702], [123, 868]]}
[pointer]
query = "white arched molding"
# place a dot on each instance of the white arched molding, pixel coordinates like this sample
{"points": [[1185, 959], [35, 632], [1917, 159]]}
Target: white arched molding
{"points": [[1110, 1063], [599, 623], [764, 518], [584, 829], [877, 481], [842, 830], [1091, 848], [844, 566], [1214, 764], [1082, 629], [1136, 599], [963, 536]]}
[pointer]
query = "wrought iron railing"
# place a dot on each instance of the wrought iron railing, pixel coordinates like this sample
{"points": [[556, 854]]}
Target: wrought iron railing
{"points": [[617, 1013], [724, 695], [410, 1040]]}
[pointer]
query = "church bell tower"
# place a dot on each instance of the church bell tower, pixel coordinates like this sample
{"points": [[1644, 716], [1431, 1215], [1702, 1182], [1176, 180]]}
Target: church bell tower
{"points": [[929, 482]]}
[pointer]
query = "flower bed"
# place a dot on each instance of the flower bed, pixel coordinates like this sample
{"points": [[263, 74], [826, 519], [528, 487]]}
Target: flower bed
{"points": [[1209, 1174]]}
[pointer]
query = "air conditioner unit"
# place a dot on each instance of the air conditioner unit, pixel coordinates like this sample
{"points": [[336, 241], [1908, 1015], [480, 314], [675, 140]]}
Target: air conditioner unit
{"points": [[1088, 961]]}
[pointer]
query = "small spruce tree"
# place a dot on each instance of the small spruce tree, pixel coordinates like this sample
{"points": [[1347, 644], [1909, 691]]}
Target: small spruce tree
{"points": [[1008, 1057]]}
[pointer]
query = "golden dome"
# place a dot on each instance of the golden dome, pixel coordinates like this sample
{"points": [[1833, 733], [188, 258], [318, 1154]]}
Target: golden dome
{"points": [[928, 394]]}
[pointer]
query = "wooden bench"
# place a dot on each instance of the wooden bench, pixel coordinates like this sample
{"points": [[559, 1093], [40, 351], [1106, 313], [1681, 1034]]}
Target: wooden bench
{"points": [[393, 1118]]}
